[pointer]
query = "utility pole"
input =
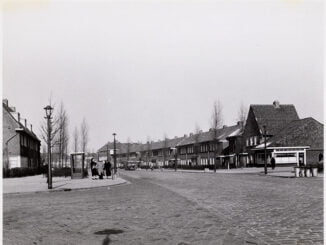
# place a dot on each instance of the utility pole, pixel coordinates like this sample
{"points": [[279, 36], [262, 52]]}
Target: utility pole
{"points": [[48, 111], [114, 155], [107, 152]]}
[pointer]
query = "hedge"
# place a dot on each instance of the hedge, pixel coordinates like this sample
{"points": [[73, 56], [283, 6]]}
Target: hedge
{"points": [[21, 172]]}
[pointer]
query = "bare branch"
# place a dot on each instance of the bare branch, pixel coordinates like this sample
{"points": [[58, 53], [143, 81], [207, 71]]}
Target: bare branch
{"points": [[76, 139], [84, 135], [217, 118], [242, 114]]}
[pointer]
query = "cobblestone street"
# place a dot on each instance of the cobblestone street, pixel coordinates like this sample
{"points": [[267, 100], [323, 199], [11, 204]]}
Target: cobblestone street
{"points": [[172, 208]]}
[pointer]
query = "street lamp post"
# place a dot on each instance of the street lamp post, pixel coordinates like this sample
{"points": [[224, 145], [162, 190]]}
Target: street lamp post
{"points": [[265, 155], [107, 152], [114, 155], [48, 113]]}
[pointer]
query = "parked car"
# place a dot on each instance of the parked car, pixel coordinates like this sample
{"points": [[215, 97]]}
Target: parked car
{"points": [[130, 165]]}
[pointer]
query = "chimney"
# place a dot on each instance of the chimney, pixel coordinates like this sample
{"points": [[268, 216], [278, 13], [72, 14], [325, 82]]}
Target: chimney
{"points": [[25, 123], [31, 127], [240, 123], [185, 135], [12, 108], [18, 114], [224, 126], [5, 101], [276, 104]]}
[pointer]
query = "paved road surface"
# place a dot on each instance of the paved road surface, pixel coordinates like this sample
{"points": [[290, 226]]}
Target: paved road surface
{"points": [[172, 208]]}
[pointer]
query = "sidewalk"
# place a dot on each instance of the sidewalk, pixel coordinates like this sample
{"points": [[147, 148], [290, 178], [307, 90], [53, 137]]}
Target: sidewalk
{"points": [[224, 171], [38, 183], [285, 172]]}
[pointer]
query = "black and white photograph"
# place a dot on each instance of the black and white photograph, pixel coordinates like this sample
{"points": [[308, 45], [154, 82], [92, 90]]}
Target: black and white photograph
{"points": [[162, 122]]}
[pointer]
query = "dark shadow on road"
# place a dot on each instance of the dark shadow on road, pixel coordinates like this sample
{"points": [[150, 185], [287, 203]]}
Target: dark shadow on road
{"points": [[108, 232]]}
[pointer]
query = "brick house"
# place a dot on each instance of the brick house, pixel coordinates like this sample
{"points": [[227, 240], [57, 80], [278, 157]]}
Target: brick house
{"points": [[163, 151], [301, 141], [236, 146], [275, 117], [21, 147], [159, 152], [200, 149], [235, 153], [192, 150]]}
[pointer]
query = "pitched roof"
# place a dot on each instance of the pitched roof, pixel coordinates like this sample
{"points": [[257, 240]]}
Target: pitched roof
{"points": [[222, 134], [275, 118], [303, 132], [19, 124]]}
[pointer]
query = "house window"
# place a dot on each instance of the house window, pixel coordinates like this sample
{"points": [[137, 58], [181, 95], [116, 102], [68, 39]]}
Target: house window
{"points": [[190, 149]]}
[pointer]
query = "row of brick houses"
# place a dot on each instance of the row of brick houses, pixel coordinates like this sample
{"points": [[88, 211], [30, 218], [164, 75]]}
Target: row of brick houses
{"points": [[289, 140], [21, 147], [192, 150]]}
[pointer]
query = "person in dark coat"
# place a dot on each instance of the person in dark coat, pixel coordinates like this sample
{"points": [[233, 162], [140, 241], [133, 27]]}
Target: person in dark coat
{"points": [[107, 168], [273, 163], [93, 168]]}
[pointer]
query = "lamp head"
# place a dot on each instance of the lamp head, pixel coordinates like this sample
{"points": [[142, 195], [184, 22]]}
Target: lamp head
{"points": [[48, 111]]}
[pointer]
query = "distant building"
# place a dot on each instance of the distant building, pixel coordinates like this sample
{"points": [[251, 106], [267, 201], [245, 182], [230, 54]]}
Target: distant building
{"points": [[193, 150], [21, 147], [301, 141], [235, 153], [289, 140], [202, 148], [274, 117]]}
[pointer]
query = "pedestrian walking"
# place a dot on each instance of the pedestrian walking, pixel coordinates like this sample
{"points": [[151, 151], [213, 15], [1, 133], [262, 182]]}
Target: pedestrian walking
{"points": [[273, 163], [100, 169], [93, 169], [107, 168]]}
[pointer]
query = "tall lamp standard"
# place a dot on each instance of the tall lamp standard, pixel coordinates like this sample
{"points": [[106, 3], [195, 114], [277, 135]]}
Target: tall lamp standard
{"points": [[114, 155], [48, 113], [265, 155]]}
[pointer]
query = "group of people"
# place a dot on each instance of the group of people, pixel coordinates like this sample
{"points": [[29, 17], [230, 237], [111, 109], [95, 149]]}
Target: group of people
{"points": [[99, 169]]}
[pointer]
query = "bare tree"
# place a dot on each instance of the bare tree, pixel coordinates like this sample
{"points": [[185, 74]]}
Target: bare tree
{"points": [[51, 129], [76, 139], [196, 145], [216, 124], [62, 136], [84, 135], [242, 114]]}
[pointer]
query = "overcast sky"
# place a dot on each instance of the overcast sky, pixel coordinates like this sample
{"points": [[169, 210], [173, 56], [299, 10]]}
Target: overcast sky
{"points": [[152, 67]]}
